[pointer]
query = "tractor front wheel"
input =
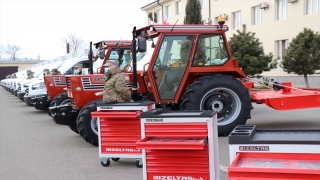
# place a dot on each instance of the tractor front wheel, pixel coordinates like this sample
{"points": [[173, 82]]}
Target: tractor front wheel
{"points": [[56, 101], [223, 94], [87, 126]]}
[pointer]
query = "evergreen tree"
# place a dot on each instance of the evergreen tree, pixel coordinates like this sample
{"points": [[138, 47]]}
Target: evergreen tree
{"points": [[247, 49], [193, 12], [303, 54]]}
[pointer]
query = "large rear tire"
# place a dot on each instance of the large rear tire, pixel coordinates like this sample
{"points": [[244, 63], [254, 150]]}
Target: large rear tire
{"points": [[87, 126], [222, 93]]}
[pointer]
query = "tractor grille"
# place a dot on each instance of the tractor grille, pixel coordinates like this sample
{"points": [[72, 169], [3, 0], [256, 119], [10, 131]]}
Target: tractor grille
{"points": [[68, 83], [48, 95], [27, 90], [72, 101], [45, 84]]}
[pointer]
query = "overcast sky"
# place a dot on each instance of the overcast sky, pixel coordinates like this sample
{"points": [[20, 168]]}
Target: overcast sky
{"points": [[38, 26]]}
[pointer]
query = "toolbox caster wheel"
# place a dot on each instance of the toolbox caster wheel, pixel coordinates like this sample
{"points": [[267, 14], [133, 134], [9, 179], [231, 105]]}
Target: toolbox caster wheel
{"points": [[106, 164], [138, 164], [115, 159]]}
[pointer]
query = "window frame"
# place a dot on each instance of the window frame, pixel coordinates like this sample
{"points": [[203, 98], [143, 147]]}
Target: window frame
{"points": [[178, 7], [236, 25], [203, 2], [256, 15], [159, 16], [167, 12], [282, 5], [280, 52], [309, 7]]}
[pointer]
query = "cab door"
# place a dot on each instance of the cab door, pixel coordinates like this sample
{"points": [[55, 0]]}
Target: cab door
{"points": [[170, 65]]}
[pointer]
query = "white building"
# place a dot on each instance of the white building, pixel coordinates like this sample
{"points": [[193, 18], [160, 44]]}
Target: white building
{"points": [[274, 22]]}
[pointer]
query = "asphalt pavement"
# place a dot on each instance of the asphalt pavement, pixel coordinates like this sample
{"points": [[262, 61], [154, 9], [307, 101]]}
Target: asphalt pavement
{"points": [[33, 147]]}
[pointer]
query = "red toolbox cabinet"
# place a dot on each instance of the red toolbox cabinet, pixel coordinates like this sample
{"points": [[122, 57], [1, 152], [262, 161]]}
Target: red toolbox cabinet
{"points": [[275, 166], [179, 145], [119, 129], [248, 138]]}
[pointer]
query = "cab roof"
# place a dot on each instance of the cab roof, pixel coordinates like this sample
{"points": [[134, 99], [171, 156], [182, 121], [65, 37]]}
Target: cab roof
{"points": [[106, 43], [153, 30]]}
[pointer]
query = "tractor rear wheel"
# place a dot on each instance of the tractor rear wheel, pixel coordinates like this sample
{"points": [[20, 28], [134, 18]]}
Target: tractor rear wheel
{"points": [[223, 94], [87, 126], [56, 101]]}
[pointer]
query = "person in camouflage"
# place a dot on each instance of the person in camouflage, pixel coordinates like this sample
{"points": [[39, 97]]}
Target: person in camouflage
{"points": [[54, 71], [46, 72], [115, 87], [30, 74], [77, 69]]}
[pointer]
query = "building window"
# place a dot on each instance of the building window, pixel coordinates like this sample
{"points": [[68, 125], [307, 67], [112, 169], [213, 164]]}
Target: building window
{"points": [[167, 12], [312, 6], [281, 47], [236, 20], [178, 7], [159, 16], [282, 9], [203, 2], [256, 15]]}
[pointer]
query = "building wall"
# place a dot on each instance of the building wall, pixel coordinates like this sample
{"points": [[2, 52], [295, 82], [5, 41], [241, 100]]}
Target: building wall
{"points": [[269, 31], [22, 65]]}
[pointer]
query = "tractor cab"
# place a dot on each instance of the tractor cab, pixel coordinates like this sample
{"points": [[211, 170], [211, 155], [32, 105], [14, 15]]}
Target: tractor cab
{"points": [[111, 50], [183, 54], [191, 68], [82, 88]]}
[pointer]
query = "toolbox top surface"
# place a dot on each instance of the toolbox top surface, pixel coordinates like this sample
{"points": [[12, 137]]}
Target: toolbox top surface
{"points": [[160, 113], [250, 135], [115, 103]]}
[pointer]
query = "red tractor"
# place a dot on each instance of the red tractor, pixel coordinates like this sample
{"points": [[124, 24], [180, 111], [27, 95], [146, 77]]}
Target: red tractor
{"points": [[191, 68], [81, 89], [56, 86]]}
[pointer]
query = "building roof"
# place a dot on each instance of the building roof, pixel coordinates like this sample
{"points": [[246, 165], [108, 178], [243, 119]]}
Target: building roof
{"points": [[152, 4]]}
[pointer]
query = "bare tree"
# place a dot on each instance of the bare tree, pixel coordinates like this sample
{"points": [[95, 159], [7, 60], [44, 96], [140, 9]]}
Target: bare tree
{"points": [[75, 42], [12, 50]]}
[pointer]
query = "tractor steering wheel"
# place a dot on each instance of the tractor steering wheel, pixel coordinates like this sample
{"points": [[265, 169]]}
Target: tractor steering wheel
{"points": [[127, 68], [163, 68]]}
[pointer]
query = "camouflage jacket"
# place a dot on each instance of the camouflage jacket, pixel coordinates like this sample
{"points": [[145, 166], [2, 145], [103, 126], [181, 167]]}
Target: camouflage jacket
{"points": [[30, 76], [116, 87]]}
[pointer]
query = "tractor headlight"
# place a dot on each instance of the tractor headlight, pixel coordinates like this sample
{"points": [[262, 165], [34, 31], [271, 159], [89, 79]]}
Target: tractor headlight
{"points": [[38, 86]]}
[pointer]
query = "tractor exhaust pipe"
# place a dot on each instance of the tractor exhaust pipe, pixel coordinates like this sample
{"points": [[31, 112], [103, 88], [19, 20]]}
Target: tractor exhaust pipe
{"points": [[90, 54], [134, 65]]}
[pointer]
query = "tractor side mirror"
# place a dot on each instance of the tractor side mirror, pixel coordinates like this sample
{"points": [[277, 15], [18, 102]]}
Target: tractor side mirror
{"points": [[102, 53], [142, 44]]}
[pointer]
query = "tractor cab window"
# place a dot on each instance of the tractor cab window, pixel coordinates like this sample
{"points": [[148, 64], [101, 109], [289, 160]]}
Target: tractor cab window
{"points": [[123, 58], [210, 51], [171, 63], [97, 63], [85, 64]]}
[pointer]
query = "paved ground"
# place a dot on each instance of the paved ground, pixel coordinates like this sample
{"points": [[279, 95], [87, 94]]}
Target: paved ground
{"points": [[32, 146]]}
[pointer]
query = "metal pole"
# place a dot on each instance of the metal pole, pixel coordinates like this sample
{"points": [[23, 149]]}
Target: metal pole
{"points": [[134, 65]]}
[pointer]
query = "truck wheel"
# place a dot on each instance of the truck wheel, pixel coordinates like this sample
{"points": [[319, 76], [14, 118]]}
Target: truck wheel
{"points": [[87, 126], [56, 101], [222, 93]]}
